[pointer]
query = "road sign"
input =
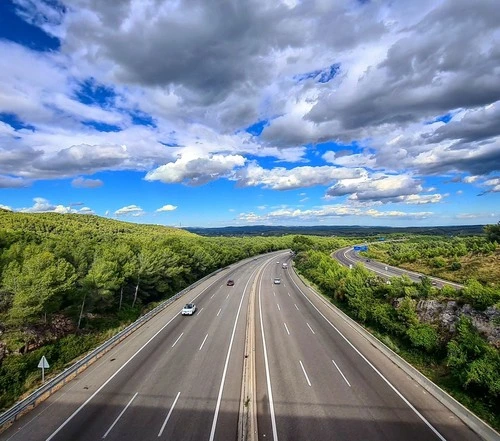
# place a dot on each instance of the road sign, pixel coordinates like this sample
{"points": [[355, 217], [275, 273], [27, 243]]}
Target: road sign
{"points": [[43, 364]]}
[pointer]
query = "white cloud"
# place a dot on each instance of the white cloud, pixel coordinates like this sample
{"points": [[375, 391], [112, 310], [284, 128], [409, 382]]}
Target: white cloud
{"points": [[279, 178], [168, 207], [196, 170], [5, 207], [130, 210]]}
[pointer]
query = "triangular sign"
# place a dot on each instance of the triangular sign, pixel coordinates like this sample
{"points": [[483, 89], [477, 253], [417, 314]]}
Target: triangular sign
{"points": [[43, 363]]}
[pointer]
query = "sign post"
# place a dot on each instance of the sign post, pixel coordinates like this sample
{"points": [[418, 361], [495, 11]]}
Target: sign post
{"points": [[43, 364]]}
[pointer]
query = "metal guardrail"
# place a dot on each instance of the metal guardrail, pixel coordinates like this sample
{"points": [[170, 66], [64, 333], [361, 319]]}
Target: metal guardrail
{"points": [[54, 384]]}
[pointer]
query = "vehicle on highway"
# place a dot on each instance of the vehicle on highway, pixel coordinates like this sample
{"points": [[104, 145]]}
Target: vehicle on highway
{"points": [[277, 280], [284, 266], [230, 282], [278, 262], [189, 309]]}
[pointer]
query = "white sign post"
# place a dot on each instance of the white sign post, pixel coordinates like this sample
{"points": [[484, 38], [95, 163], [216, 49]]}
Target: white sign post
{"points": [[43, 364]]}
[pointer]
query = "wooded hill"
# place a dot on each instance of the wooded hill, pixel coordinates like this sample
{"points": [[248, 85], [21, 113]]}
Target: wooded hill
{"points": [[67, 279]]}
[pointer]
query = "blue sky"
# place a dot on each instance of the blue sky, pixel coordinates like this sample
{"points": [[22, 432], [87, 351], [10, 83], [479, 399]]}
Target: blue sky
{"points": [[287, 113]]}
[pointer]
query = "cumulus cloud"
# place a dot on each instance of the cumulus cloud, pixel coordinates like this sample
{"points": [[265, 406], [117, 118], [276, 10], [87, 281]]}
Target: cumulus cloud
{"points": [[168, 207], [130, 210], [86, 183], [42, 205], [196, 170], [5, 207], [378, 187], [280, 178]]}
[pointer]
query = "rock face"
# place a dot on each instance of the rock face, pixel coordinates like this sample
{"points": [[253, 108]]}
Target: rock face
{"points": [[446, 315]]}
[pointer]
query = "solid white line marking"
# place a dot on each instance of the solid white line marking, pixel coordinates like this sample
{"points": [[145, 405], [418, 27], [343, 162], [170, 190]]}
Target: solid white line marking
{"points": [[119, 370], [286, 327], [221, 389], [219, 312], [429, 425], [119, 416], [343, 376], [278, 307], [305, 373], [204, 340], [310, 328], [178, 338], [296, 307], [268, 375], [168, 415]]}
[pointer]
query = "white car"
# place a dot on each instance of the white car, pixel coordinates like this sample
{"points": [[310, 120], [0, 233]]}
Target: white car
{"points": [[189, 309], [277, 281]]}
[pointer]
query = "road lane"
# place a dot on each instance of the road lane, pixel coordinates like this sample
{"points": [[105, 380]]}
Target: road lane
{"points": [[347, 398], [161, 371], [348, 257]]}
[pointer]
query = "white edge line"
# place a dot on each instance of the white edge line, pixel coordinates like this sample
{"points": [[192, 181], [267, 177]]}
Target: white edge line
{"points": [[168, 415], [178, 338], [119, 416], [226, 364], [343, 376], [204, 340], [119, 370], [374, 368], [305, 373], [268, 375]]}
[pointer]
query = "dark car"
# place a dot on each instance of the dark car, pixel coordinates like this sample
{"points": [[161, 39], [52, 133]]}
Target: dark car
{"points": [[230, 282]]}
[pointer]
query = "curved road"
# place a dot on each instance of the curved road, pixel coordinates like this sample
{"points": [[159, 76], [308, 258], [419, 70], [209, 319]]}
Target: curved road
{"points": [[348, 257], [180, 378]]}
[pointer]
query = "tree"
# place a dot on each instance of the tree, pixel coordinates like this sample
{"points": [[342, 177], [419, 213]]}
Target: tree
{"points": [[493, 232], [38, 284]]}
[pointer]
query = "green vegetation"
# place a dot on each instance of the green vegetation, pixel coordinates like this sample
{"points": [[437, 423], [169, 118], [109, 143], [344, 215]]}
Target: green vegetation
{"points": [[464, 364], [458, 259], [94, 276]]}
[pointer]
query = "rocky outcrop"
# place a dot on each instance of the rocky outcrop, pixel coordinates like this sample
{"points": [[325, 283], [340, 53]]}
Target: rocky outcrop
{"points": [[446, 314]]}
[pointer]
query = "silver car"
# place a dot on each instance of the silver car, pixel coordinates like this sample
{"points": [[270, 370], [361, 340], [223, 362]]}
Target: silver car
{"points": [[189, 309]]}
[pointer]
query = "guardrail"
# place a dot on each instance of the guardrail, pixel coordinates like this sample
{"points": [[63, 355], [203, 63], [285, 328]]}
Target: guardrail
{"points": [[54, 384]]}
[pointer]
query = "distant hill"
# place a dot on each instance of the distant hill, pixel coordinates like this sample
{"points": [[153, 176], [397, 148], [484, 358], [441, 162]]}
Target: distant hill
{"points": [[325, 230]]}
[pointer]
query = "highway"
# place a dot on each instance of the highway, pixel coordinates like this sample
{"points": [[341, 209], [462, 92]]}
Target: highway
{"points": [[180, 378], [348, 257]]}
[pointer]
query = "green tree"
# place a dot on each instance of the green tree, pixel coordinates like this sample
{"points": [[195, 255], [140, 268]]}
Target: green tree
{"points": [[38, 284], [493, 232]]}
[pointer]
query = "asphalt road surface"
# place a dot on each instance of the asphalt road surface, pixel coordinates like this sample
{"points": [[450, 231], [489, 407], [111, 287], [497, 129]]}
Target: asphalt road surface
{"points": [[319, 379], [349, 257], [179, 378]]}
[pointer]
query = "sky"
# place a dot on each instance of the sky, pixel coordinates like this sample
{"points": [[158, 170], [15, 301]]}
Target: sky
{"points": [[210, 113]]}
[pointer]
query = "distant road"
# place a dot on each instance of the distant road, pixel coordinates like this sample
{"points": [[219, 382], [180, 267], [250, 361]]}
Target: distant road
{"points": [[347, 256]]}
